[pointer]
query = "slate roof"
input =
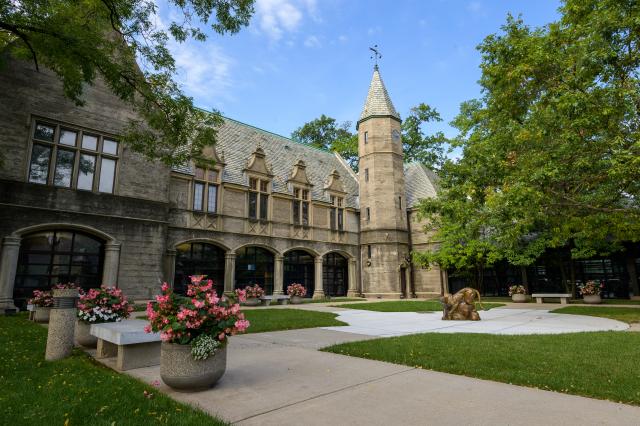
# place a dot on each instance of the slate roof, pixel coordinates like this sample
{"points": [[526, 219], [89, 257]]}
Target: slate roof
{"points": [[237, 141], [420, 182], [378, 102]]}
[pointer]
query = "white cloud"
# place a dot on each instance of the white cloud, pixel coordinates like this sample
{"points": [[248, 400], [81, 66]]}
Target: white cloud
{"points": [[277, 17], [312, 41], [343, 38]]}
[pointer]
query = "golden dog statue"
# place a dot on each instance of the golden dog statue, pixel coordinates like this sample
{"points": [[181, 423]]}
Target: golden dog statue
{"points": [[461, 306]]}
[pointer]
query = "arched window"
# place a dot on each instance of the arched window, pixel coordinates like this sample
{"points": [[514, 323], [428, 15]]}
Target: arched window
{"points": [[254, 265], [335, 275], [298, 268], [51, 257], [198, 259]]}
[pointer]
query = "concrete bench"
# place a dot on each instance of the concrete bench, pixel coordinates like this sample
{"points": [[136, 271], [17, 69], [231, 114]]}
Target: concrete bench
{"points": [[281, 299], [563, 297], [127, 341]]}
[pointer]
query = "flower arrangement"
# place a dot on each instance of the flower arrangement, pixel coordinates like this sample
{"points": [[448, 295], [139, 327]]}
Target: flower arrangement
{"points": [[296, 289], [41, 298], [201, 319], [105, 304], [591, 288], [251, 292], [517, 289], [65, 286]]}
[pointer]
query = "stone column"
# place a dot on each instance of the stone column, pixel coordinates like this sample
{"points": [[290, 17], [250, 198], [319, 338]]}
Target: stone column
{"points": [[319, 285], [169, 266], [353, 281], [278, 274], [62, 324], [8, 266], [229, 271], [111, 264]]}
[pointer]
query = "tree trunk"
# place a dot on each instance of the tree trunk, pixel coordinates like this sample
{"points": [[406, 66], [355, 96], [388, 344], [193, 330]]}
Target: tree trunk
{"points": [[633, 274], [573, 278], [525, 280]]}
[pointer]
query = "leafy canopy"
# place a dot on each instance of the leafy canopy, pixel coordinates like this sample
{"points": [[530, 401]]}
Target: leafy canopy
{"points": [[81, 40], [551, 151]]}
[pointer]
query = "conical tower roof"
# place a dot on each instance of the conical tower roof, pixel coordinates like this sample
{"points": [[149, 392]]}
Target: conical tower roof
{"points": [[378, 101]]}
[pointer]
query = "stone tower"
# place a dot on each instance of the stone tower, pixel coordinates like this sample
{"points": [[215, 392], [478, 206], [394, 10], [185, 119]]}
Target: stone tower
{"points": [[384, 239]]}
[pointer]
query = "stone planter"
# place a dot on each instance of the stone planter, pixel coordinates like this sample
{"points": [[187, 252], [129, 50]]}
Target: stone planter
{"points": [[180, 371], [592, 299], [83, 336], [519, 298], [41, 314], [252, 301], [295, 300]]}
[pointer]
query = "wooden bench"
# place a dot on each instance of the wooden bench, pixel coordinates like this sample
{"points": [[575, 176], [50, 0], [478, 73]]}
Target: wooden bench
{"points": [[282, 299], [563, 297], [128, 342]]}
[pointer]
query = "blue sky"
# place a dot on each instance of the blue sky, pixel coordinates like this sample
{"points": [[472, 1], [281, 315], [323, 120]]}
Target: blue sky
{"points": [[302, 58]]}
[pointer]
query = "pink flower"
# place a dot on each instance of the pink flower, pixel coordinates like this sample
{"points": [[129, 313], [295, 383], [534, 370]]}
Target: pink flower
{"points": [[147, 328], [242, 325]]}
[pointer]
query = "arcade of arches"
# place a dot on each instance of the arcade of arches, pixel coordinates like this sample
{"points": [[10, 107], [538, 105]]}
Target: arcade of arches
{"points": [[250, 265]]}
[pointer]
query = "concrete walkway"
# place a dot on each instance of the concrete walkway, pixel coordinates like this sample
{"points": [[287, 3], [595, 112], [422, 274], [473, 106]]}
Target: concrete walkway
{"points": [[280, 378]]}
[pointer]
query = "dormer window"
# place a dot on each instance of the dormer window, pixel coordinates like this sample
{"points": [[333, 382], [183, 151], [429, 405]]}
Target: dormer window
{"points": [[205, 190], [258, 198], [300, 206], [336, 213]]}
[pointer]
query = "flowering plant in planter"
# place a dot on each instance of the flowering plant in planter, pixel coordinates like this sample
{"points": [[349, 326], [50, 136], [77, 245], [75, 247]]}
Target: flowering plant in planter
{"points": [[202, 319], [41, 298], [105, 304], [252, 292], [517, 289], [296, 289], [591, 288], [65, 286]]}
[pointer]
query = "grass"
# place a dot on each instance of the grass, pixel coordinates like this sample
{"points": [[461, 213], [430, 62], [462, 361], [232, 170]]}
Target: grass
{"points": [[335, 299], [263, 320], [76, 390], [601, 365], [406, 306], [611, 302], [628, 315]]}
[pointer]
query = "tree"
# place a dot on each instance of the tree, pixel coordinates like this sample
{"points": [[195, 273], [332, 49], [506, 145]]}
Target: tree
{"points": [[83, 40], [551, 151], [325, 133]]}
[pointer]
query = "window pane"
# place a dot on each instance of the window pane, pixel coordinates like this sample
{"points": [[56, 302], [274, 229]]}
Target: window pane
{"points": [[68, 137], [64, 168], [39, 167], [107, 175], [44, 132], [110, 147], [264, 206], [86, 171], [305, 213], [340, 219], [198, 194], [199, 173], [90, 142], [212, 175], [332, 218], [253, 205], [263, 186], [296, 212], [253, 183], [212, 200]]}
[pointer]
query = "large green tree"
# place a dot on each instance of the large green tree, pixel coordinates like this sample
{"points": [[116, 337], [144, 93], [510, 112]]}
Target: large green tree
{"points": [[551, 151], [81, 40], [429, 149]]}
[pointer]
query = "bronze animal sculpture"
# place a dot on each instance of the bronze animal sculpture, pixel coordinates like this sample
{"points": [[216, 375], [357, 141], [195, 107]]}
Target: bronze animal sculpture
{"points": [[461, 306]]}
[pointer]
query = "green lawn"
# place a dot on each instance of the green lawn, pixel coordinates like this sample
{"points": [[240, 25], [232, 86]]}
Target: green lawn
{"points": [[628, 315], [406, 306], [611, 302], [76, 389], [601, 365], [335, 299], [288, 319]]}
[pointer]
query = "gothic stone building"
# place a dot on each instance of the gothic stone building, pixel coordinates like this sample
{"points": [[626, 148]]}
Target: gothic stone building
{"points": [[78, 205]]}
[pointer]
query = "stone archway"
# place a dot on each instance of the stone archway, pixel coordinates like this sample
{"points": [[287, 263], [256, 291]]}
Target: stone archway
{"points": [[299, 267], [254, 265], [199, 258]]}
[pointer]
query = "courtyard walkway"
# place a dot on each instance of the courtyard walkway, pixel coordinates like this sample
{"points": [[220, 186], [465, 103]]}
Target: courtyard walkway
{"points": [[280, 378]]}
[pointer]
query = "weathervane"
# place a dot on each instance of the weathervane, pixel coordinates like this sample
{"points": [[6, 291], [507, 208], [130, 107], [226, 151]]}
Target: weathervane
{"points": [[376, 54]]}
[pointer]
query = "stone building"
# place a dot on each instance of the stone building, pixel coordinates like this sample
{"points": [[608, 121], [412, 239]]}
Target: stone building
{"points": [[77, 205]]}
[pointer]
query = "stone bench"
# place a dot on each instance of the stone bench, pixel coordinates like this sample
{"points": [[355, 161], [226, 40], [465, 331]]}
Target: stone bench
{"points": [[282, 299], [127, 341], [563, 297]]}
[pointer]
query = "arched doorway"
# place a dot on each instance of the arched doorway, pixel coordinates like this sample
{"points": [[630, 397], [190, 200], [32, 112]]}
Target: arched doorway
{"points": [[58, 256], [254, 265], [198, 259], [335, 274], [298, 268]]}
